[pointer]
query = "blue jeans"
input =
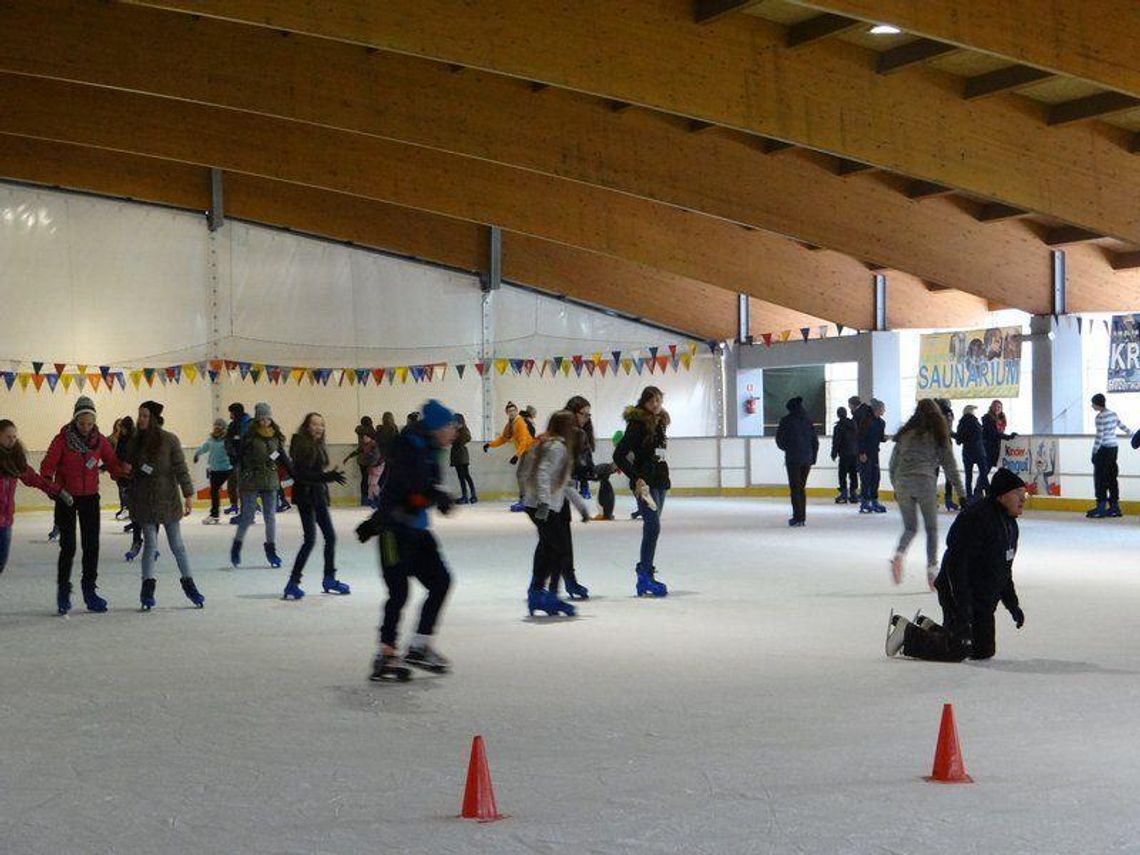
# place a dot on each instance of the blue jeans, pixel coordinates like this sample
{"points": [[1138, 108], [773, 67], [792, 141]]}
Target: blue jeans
{"points": [[177, 548], [869, 475], [650, 528], [268, 510], [5, 546]]}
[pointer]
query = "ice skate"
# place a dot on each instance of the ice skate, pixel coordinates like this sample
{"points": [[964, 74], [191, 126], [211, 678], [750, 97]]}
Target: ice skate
{"points": [[235, 553], [865, 508], [517, 508], [555, 606], [93, 601], [232, 509], [897, 568], [931, 575], [536, 601], [53, 535], [271, 556], [896, 634], [574, 590], [132, 553], [878, 508], [192, 593], [389, 668], [841, 499], [293, 591], [462, 500], [1098, 512], [644, 495], [331, 585], [146, 595], [63, 600], [210, 520], [647, 584], [423, 655], [1113, 510], [603, 518]]}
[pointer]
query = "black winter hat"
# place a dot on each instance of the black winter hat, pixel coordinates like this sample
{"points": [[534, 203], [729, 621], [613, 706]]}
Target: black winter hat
{"points": [[1004, 481]]}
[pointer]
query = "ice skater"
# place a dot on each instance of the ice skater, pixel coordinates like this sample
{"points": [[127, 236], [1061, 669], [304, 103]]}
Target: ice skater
{"points": [[796, 437], [519, 435], [544, 476], [219, 468], [845, 451], [14, 467], [72, 461], [921, 446], [235, 430], [640, 456], [948, 413], [976, 575], [311, 479], [460, 460], [969, 436], [872, 434], [584, 469], [368, 459], [262, 450], [1106, 471], [161, 494], [407, 548], [993, 433]]}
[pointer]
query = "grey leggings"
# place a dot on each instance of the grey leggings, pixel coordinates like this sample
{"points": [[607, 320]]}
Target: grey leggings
{"points": [[177, 547], [910, 502]]}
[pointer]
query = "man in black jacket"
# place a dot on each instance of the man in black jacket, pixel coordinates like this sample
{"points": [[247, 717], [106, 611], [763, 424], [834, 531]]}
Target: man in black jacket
{"points": [[969, 436], [976, 575], [845, 449], [797, 438]]}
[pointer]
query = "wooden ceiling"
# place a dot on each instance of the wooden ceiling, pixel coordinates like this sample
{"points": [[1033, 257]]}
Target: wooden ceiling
{"points": [[655, 157]]}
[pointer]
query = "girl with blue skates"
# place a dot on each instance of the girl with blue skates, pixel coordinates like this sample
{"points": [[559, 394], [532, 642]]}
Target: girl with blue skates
{"points": [[262, 449], [544, 476], [311, 496], [161, 494], [640, 456], [407, 548]]}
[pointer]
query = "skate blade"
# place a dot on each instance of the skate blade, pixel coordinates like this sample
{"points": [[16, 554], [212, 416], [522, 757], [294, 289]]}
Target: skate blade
{"points": [[434, 669], [392, 677]]}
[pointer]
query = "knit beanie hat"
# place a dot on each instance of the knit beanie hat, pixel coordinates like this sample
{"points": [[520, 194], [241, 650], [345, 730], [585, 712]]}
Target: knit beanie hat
{"points": [[1004, 481], [219, 423], [155, 410], [435, 415], [83, 405], [262, 410]]}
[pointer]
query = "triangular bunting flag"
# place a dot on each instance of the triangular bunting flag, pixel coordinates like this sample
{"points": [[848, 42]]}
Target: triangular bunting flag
{"points": [[839, 329], [639, 364], [24, 377], [66, 379], [672, 350], [81, 381], [52, 379], [122, 380], [662, 363], [651, 364], [693, 350], [361, 375], [59, 366], [687, 360], [94, 380], [674, 359], [213, 375], [402, 373], [805, 332], [136, 378], [82, 369], [577, 360], [528, 366], [590, 367], [390, 373], [627, 365], [417, 372], [823, 331], [602, 366], [1080, 325], [338, 374], [517, 366], [191, 371], [37, 367], [616, 354], [542, 368], [565, 368], [38, 380], [501, 366], [766, 338], [480, 367], [243, 369], [298, 374], [785, 335], [105, 372], [255, 373], [459, 369], [558, 363], [9, 379], [653, 353]]}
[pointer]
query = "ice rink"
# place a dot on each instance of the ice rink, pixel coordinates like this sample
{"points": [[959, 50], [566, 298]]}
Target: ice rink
{"points": [[752, 710]]}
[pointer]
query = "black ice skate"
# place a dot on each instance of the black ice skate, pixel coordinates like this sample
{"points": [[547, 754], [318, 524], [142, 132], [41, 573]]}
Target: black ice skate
{"points": [[425, 656], [389, 668]]}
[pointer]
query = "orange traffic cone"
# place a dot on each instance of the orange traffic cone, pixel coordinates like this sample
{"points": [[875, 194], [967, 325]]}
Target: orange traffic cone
{"points": [[948, 765], [479, 797]]}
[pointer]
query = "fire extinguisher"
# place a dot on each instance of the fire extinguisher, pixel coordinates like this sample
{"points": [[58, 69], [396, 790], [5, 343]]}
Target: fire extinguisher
{"points": [[751, 406]]}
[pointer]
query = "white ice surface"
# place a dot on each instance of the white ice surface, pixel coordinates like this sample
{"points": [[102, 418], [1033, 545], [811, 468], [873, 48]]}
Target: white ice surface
{"points": [[751, 711]]}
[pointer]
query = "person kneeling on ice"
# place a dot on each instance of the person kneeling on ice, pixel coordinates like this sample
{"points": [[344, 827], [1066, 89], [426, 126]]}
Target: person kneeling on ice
{"points": [[544, 478], [407, 547], [976, 575]]}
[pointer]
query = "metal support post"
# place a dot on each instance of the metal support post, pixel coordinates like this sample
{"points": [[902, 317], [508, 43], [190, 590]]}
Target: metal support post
{"points": [[1059, 282], [216, 216], [492, 280], [719, 384], [215, 219], [743, 321], [880, 302]]}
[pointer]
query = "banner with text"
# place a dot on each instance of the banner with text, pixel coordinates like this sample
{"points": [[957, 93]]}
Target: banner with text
{"points": [[1124, 354], [983, 363], [1036, 461]]}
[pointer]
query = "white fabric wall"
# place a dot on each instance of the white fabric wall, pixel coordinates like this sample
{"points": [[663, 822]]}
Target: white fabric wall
{"points": [[122, 284]]}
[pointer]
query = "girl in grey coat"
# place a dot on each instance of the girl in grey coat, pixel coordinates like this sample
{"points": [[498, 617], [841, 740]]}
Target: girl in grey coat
{"points": [[161, 494], [921, 446]]}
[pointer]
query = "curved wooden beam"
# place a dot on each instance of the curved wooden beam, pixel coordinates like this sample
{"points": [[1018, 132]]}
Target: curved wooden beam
{"points": [[739, 74]]}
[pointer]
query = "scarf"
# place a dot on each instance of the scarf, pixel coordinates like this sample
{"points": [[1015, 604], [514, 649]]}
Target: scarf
{"points": [[265, 431], [78, 443]]}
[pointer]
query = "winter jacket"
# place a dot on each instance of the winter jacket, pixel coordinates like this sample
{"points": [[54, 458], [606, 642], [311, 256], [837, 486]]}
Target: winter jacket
{"points": [[992, 437], [969, 436], [259, 458], [78, 471], [310, 478], [796, 436], [977, 567], [367, 452], [641, 451], [386, 436], [844, 439], [234, 433], [160, 479], [217, 457], [460, 454], [31, 478], [516, 432], [544, 477], [413, 483], [871, 438], [914, 464]]}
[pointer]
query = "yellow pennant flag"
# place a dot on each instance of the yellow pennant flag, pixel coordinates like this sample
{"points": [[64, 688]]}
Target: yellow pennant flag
{"points": [[785, 335], [687, 360], [190, 371], [402, 373], [136, 378], [82, 369], [66, 379], [297, 374], [692, 349], [626, 365], [24, 378], [501, 365], [565, 367], [350, 376]]}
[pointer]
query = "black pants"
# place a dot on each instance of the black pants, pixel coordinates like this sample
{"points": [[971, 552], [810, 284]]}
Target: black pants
{"points": [[849, 475], [85, 511], [406, 554], [869, 476], [312, 517], [606, 499], [1105, 473], [364, 486], [466, 485], [217, 479], [554, 554], [968, 464], [942, 644], [797, 483], [233, 486]]}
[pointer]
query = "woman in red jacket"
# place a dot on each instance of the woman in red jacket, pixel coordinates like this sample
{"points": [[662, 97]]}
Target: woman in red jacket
{"points": [[72, 462], [14, 467]]}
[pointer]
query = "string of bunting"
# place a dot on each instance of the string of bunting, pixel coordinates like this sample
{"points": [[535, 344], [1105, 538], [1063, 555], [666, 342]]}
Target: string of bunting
{"points": [[54, 375]]}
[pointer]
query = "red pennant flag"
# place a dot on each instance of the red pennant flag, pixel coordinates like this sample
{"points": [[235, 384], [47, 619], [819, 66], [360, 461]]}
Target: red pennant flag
{"points": [[602, 366], [662, 363], [590, 368], [378, 375], [767, 337], [480, 367]]}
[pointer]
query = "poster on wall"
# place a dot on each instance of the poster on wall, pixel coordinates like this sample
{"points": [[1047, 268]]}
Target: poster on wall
{"points": [[982, 363], [1036, 461], [1124, 354]]}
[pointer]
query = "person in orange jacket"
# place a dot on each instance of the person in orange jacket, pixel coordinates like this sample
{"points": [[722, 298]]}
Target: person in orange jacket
{"points": [[517, 433]]}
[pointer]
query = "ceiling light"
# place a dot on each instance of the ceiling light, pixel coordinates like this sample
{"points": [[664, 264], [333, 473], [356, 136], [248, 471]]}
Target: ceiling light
{"points": [[884, 30]]}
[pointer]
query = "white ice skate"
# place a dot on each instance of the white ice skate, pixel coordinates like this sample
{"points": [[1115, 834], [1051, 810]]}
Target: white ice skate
{"points": [[896, 633], [897, 568]]}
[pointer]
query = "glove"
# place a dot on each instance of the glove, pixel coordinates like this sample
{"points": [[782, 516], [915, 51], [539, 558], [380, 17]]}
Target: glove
{"points": [[486, 447], [335, 477], [542, 512], [366, 531], [444, 502], [514, 460], [1018, 616], [195, 458], [66, 498]]}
